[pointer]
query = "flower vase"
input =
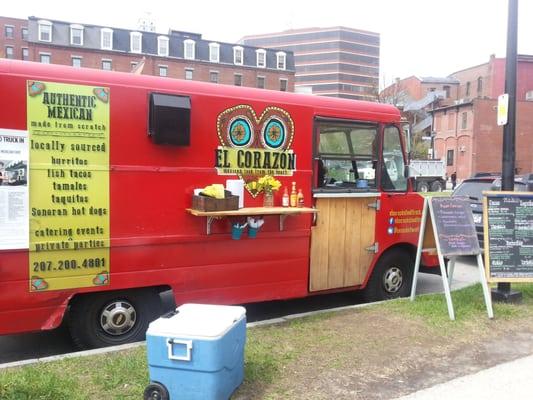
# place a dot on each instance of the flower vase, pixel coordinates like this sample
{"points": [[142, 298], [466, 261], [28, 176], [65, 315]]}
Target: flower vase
{"points": [[268, 199]]}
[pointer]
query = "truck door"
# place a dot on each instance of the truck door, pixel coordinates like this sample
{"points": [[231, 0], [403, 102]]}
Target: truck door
{"points": [[346, 196]]}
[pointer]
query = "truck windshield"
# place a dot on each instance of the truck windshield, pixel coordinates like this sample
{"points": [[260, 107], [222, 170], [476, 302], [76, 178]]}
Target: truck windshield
{"points": [[346, 154]]}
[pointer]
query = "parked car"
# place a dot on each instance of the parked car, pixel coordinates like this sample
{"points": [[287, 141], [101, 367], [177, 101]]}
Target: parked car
{"points": [[472, 189]]}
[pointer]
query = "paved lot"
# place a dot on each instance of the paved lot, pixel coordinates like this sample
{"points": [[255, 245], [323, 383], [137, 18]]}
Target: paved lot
{"points": [[512, 380]]}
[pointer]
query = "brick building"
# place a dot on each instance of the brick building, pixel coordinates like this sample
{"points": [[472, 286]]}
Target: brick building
{"points": [[467, 135], [415, 88], [417, 97], [337, 61], [14, 38], [176, 54]]}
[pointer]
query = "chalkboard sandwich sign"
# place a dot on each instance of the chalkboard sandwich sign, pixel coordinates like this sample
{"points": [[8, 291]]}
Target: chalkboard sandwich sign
{"points": [[508, 223], [456, 232], [447, 228]]}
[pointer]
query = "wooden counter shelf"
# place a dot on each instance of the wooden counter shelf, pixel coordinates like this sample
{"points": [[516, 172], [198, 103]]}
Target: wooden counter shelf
{"points": [[283, 213]]}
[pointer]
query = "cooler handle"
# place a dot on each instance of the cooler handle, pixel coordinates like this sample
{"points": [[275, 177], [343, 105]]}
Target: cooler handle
{"points": [[186, 343]]}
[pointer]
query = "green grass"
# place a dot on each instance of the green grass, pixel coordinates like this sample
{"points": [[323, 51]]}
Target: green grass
{"points": [[469, 308], [270, 350]]}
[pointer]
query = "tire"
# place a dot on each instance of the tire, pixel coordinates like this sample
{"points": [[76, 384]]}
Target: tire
{"points": [[436, 186], [422, 186], [112, 318], [156, 391], [392, 276]]}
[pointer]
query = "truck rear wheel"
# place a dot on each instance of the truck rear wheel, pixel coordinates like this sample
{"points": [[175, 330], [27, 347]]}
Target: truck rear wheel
{"points": [[112, 318], [436, 186], [422, 187], [392, 276]]}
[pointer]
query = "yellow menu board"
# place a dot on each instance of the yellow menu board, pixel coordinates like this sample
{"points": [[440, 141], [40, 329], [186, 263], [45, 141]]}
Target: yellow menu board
{"points": [[68, 128]]}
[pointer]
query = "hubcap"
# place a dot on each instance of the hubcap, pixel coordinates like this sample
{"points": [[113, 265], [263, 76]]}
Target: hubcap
{"points": [[393, 279], [118, 318]]}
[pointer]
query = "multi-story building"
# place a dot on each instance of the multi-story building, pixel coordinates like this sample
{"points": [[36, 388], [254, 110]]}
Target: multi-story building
{"points": [[461, 115], [176, 54], [467, 134], [417, 97], [337, 61], [414, 89], [14, 38]]}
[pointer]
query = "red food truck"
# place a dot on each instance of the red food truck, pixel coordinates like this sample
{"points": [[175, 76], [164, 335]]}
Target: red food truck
{"points": [[96, 218]]}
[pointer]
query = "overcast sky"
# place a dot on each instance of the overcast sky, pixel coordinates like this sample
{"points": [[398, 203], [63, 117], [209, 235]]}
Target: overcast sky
{"points": [[418, 37]]}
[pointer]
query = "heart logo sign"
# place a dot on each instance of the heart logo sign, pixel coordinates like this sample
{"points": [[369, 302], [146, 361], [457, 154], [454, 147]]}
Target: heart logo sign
{"points": [[251, 146]]}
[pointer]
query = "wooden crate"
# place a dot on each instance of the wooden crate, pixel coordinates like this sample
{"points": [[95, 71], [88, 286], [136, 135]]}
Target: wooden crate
{"points": [[204, 203]]}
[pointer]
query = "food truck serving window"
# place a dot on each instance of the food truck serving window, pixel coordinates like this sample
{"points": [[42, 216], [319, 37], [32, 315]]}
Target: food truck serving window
{"points": [[346, 155]]}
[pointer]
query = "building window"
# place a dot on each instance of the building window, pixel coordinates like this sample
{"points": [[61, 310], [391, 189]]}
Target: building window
{"points": [[238, 55], [188, 73], [76, 35], [76, 62], [24, 33], [451, 121], [9, 31], [135, 42], [45, 31], [106, 39], [479, 86], [9, 52], [283, 83], [447, 90], [464, 120], [214, 52], [188, 49], [260, 56], [107, 65], [467, 89], [237, 79], [25, 53], [162, 46], [261, 82], [281, 60], [45, 58], [449, 158], [213, 76], [163, 70]]}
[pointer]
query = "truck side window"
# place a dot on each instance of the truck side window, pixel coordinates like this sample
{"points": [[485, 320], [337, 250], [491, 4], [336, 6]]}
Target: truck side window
{"points": [[345, 154], [392, 166]]}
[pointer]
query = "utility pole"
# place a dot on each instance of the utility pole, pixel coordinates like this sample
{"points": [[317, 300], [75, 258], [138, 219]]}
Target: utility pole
{"points": [[504, 293]]}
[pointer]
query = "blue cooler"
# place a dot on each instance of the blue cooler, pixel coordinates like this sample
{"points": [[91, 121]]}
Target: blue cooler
{"points": [[197, 353]]}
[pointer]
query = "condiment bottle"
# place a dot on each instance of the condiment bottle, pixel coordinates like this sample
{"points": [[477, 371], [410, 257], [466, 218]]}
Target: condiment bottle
{"points": [[300, 198], [294, 195], [285, 198]]}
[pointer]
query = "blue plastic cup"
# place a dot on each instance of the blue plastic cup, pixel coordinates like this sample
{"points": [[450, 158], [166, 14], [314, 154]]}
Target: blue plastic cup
{"points": [[236, 232], [252, 233]]}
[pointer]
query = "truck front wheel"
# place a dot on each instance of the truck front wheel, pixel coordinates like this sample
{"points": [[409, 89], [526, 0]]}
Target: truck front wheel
{"points": [[392, 276], [112, 318]]}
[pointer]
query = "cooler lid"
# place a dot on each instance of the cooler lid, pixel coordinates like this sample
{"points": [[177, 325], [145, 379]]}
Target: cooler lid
{"points": [[198, 320]]}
